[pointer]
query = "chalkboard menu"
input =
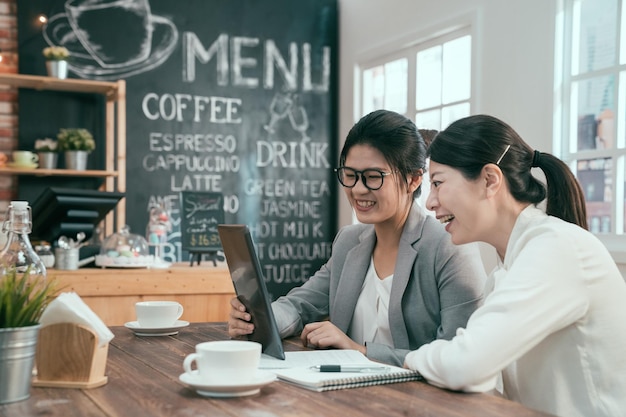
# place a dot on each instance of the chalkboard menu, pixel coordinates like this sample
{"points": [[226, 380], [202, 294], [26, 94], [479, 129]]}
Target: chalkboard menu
{"points": [[200, 215], [236, 97]]}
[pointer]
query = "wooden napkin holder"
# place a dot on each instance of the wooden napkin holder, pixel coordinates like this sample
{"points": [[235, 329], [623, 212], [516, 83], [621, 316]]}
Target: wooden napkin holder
{"points": [[68, 356]]}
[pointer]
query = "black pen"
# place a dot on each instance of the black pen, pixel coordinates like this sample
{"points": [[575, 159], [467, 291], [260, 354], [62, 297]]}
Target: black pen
{"points": [[350, 368]]}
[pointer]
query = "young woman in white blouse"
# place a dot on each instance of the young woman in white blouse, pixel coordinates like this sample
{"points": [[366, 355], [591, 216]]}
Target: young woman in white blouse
{"points": [[395, 281], [553, 324]]}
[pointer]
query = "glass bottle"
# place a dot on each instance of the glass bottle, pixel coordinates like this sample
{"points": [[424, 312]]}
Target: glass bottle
{"points": [[18, 251]]}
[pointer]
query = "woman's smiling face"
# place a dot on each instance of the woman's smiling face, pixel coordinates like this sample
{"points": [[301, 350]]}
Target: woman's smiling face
{"points": [[387, 204], [457, 203]]}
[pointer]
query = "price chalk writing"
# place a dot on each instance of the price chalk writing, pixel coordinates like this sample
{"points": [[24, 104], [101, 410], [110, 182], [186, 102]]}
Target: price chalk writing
{"points": [[201, 212]]}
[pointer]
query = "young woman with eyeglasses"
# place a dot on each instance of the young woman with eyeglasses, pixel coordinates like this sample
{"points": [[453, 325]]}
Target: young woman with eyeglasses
{"points": [[395, 281], [553, 324]]}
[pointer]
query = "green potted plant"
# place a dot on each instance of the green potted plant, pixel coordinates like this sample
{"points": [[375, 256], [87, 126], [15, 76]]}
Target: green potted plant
{"points": [[23, 298], [47, 151], [76, 143], [56, 60]]}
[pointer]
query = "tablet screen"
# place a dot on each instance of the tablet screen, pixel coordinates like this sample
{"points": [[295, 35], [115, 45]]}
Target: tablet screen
{"points": [[245, 272]]}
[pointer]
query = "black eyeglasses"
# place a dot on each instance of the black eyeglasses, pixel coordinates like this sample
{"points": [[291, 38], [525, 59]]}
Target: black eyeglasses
{"points": [[372, 178]]}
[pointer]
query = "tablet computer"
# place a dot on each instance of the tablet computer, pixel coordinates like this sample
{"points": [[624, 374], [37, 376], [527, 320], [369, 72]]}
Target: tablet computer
{"points": [[247, 276]]}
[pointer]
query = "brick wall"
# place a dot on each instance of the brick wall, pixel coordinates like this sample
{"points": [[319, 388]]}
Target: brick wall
{"points": [[8, 97]]}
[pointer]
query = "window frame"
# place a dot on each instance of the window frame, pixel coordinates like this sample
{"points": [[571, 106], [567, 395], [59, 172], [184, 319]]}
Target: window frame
{"points": [[565, 109], [408, 51]]}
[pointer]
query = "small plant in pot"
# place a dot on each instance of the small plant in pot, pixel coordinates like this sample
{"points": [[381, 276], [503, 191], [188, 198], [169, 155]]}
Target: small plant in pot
{"points": [[23, 298], [47, 151], [76, 143], [56, 60]]}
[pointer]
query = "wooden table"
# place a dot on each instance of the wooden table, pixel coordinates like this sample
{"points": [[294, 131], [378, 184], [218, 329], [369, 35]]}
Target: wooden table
{"points": [[203, 290], [143, 381]]}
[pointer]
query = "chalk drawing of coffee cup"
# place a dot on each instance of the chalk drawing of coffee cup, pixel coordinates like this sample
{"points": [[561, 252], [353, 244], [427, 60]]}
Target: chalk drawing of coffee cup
{"points": [[101, 51], [109, 46]]}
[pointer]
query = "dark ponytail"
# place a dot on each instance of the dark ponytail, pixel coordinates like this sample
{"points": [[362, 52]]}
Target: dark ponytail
{"points": [[565, 196]]}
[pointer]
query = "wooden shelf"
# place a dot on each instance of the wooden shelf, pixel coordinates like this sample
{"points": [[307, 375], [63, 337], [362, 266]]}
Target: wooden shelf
{"points": [[39, 172], [38, 82], [114, 170]]}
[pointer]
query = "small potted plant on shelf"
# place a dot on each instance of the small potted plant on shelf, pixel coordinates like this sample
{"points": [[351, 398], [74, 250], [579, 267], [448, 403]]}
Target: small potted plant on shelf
{"points": [[23, 298], [47, 151], [56, 60], [76, 145]]}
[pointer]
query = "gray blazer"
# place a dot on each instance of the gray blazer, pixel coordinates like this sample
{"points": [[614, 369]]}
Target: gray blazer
{"points": [[436, 287]]}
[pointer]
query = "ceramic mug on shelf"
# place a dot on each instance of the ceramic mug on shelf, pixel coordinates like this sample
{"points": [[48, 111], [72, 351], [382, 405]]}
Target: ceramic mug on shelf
{"points": [[158, 314], [24, 158], [227, 362]]}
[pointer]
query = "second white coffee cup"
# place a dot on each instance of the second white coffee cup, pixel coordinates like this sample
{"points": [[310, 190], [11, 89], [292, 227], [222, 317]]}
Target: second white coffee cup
{"points": [[158, 314], [225, 362]]}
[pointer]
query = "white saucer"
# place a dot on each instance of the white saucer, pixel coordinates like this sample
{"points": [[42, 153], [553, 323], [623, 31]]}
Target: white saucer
{"points": [[156, 331], [193, 381], [32, 165]]}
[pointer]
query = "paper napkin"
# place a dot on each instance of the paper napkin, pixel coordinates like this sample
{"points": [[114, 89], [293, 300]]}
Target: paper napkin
{"points": [[68, 307]]}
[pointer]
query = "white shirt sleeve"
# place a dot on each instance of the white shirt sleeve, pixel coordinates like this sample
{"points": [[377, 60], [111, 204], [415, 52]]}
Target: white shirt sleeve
{"points": [[540, 293]]}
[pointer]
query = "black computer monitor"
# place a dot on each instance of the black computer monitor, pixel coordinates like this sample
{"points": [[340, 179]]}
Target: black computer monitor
{"points": [[68, 211]]}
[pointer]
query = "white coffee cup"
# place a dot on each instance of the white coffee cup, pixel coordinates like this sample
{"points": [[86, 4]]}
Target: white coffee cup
{"points": [[225, 362], [24, 157], [158, 314]]}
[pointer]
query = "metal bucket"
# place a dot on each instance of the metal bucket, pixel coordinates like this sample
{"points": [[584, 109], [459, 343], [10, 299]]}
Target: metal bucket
{"points": [[66, 259], [57, 69], [48, 160], [76, 160], [18, 346]]}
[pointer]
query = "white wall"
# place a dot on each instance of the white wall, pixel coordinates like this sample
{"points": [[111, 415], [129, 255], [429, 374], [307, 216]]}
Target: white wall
{"points": [[513, 57]]}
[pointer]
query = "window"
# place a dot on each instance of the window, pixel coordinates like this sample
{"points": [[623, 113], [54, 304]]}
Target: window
{"points": [[443, 83], [590, 104], [429, 82]]}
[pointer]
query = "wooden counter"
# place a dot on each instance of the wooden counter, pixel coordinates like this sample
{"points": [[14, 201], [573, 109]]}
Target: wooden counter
{"points": [[203, 290]]}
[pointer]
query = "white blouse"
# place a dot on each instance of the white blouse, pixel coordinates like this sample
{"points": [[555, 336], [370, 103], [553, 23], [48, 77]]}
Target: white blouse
{"points": [[372, 307], [553, 325]]}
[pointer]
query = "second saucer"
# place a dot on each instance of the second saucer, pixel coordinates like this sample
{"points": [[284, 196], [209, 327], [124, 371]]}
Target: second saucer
{"points": [[156, 331]]}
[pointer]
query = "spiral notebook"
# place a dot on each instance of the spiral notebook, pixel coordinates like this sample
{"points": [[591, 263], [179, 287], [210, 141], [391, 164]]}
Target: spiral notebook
{"points": [[312, 379]]}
